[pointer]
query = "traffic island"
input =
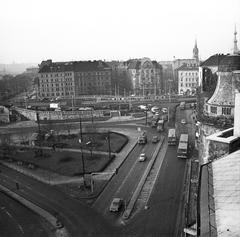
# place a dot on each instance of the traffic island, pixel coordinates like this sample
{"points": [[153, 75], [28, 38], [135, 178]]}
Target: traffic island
{"points": [[139, 187]]}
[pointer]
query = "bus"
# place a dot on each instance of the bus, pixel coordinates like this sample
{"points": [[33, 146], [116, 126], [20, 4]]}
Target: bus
{"points": [[182, 105], [172, 137], [183, 146]]}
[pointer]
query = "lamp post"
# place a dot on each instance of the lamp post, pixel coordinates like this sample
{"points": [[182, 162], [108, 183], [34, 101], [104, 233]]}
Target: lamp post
{"points": [[80, 141], [169, 96], [109, 147], [89, 145], [83, 165]]}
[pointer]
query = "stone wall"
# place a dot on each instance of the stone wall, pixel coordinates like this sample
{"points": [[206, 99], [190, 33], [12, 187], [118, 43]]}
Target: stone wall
{"points": [[204, 131], [59, 115]]}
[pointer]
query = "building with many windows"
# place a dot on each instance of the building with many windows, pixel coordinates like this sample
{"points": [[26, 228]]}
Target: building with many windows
{"points": [[92, 78], [70, 79], [57, 79], [187, 80], [146, 76]]}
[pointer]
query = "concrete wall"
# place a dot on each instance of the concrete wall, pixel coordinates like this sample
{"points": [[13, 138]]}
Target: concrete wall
{"points": [[59, 115], [203, 144]]}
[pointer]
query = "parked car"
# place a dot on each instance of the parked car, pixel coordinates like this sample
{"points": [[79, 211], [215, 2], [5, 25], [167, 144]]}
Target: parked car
{"points": [[142, 157], [154, 109], [116, 204], [143, 107], [183, 121], [155, 139], [164, 110]]}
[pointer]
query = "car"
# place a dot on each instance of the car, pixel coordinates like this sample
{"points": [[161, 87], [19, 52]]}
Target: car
{"points": [[164, 110], [116, 204], [155, 139], [183, 121], [142, 157], [44, 99], [143, 107], [154, 109]]}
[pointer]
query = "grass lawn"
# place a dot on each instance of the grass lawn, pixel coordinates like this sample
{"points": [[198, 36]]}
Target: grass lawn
{"points": [[70, 163], [62, 162], [99, 141]]}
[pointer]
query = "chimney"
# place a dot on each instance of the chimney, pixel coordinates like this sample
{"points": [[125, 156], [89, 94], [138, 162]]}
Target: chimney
{"points": [[236, 131]]}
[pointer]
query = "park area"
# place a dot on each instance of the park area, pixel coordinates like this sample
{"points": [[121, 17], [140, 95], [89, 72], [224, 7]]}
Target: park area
{"points": [[68, 154]]}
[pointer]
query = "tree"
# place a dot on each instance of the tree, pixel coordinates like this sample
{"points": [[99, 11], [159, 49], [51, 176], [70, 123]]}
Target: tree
{"points": [[68, 127], [91, 130], [7, 141], [24, 138]]}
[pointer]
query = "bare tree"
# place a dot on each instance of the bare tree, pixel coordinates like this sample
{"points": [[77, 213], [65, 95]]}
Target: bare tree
{"points": [[57, 133], [91, 131], [7, 141], [24, 138], [68, 127]]}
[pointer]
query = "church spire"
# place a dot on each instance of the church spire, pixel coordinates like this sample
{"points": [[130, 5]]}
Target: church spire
{"points": [[195, 51], [235, 49]]}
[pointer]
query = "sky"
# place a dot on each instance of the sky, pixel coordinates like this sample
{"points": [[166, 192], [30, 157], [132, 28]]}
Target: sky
{"points": [[33, 31]]}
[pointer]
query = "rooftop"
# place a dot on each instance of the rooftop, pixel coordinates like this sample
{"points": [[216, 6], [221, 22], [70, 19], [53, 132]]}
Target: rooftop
{"points": [[226, 180]]}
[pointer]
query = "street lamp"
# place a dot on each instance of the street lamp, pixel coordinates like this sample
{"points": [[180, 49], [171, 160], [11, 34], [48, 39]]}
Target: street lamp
{"points": [[83, 165], [80, 141], [109, 147], [89, 145]]}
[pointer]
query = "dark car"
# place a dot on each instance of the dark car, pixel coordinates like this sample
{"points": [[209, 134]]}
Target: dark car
{"points": [[116, 204], [155, 139]]}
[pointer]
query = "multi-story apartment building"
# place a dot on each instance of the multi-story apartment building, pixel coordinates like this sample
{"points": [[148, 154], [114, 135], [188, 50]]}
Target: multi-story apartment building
{"points": [[146, 76], [92, 78], [57, 79], [70, 79], [187, 79]]}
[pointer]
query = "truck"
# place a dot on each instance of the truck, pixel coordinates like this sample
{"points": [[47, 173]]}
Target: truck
{"points": [[55, 106], [154, 121], [160, 125], [142, 138]]}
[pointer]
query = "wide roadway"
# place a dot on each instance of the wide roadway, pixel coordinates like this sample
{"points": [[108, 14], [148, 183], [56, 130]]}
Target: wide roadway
{"points": [[16, 220], [165, 205], [160, 219], [76, 216], [123, 184]]}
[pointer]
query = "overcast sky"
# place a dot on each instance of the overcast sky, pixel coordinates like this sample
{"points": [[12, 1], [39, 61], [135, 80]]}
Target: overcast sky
{"points": [[32, 31]]}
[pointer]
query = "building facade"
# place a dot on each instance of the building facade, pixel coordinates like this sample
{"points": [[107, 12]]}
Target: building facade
{"points": [[92, 78], [146, 77], [56, 80], [71, 79], [187, 80]]}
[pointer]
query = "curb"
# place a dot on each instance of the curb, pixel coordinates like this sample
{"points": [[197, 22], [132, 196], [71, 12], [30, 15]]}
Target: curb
{"points": [[139, 187], [56, 223]]}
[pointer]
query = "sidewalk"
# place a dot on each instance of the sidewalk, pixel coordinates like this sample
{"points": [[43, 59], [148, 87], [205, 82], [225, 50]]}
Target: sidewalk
{"points": [[71, 185]]}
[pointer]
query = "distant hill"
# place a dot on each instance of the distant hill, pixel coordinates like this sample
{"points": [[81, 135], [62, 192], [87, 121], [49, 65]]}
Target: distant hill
{"points": [[15, 68]]}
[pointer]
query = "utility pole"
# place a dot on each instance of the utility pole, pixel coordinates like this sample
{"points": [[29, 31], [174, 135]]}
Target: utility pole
{"points": [[81, 141], [109, 148]]}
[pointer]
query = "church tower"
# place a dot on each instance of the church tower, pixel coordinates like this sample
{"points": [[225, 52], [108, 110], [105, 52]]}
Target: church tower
{"points": [[235, 49], [195, 52]]}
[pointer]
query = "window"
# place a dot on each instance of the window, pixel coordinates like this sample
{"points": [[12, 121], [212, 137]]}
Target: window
{"points": [[226, 111], [213, 109]]}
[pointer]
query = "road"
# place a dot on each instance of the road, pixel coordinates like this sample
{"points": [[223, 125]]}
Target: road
{"points": [[16, 220], [166, 201], [164, 204], [76, 216], [124, 183]]}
